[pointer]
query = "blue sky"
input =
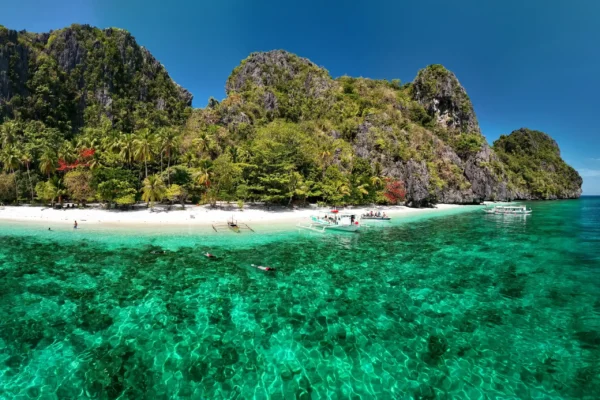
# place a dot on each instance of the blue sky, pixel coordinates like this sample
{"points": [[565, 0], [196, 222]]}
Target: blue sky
{"points": [[531, 63]]}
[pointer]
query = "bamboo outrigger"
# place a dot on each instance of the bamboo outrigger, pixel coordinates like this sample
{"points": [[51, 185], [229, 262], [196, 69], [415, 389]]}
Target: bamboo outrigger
{"points": [[232, 225]]}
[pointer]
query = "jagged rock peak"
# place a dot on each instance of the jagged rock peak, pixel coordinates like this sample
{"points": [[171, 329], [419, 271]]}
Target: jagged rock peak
{"points": [[441, 94], [268, 69]]}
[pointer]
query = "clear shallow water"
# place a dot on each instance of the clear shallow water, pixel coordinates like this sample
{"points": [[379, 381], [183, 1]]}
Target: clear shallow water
{"points": [[461, 306]]}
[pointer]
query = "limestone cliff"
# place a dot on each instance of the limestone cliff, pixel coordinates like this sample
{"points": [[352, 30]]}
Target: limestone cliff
{"points": [[439, 91], [425, 133], [70, 77], [292, 131]]}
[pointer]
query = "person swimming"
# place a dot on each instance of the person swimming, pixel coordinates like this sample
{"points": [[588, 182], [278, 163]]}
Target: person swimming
{"points": [[263, 268], [49, 229], [158, 252], [208, 255]]}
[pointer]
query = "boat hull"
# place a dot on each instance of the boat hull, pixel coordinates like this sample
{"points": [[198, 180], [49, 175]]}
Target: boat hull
{"points": [[320, 227], [343, 228], [528, 212]]}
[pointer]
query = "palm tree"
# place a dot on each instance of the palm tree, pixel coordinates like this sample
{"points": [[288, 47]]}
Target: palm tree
{"points": [[47, 161], [325, 156], [154, 189], [144, 147], [112, 144], [8, 133], [168, 143], [376, 181], [26, 159], [89, 140], [202, 176], [11, 160], [127, 145], [57, 189], [67, 152], [204, 142], [189, 158]]}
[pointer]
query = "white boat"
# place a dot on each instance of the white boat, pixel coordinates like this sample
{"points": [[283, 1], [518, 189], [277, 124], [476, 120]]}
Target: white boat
{"points": [[508, 210], [332, 220], [375, 216]]}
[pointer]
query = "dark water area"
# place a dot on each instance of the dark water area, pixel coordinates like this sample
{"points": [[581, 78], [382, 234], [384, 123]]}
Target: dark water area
{"points": [[469, 306]]}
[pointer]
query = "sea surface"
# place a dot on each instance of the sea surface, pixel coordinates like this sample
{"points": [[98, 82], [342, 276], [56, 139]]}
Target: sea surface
{"points": [[455, 306]]}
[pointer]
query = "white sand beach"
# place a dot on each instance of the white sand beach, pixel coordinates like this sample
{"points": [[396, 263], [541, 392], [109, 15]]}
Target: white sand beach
{"points": [[191, 215]]}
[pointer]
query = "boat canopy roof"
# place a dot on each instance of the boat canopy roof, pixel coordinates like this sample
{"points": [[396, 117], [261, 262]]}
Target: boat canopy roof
{"points": [[339, 214]]}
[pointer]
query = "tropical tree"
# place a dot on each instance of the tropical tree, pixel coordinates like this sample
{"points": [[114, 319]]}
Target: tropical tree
{"points": [[176, 193], [144, 147], [116, 190], [204, 142], [8, 133], [78, 185], [48, 161], [202, 177], [394, 191], [7, 187], [26, 159], [153, 190], [50, 191], [45, 192], [224, 177], [11, 159], [335, 185], [189, 158], [57, 188], [67, 152], [126, 143], [169, 139]]}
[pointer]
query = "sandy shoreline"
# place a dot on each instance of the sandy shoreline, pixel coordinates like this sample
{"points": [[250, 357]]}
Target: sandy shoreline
{"points": [[201, 216]]}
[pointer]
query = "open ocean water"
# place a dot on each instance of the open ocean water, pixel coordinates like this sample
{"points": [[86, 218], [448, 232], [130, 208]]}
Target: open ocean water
{"points": [[461, 306]]}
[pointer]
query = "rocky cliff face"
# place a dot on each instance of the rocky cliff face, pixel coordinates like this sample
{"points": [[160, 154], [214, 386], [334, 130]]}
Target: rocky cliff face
{"points": [[94, 72], [14, 60], [282, 83], [424, 133], [439, 91], [441, 157]]}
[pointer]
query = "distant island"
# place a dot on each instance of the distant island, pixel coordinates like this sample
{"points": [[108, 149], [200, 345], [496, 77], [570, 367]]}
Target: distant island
{"points": [[88, 114]]}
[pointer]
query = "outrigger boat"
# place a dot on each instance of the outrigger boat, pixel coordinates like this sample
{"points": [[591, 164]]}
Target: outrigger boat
{"points": [[232, 225], [508, 210], [331, 220], [375, 216]]}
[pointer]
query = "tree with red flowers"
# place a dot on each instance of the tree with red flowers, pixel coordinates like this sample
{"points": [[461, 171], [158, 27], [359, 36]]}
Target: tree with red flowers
{"points": [[83, 161], [394, 191]]}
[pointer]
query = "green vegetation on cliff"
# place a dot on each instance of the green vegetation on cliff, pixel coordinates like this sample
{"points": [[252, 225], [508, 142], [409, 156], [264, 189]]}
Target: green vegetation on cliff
{"points": [[535, 167], [89, 114]]}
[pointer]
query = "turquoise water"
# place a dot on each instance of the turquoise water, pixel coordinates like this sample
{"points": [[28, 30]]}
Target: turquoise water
{"points": [[464, 305]]}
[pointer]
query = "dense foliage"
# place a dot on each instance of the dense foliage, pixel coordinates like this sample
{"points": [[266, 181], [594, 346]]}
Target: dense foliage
{"points": [[535, 166], [87, 114]]}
